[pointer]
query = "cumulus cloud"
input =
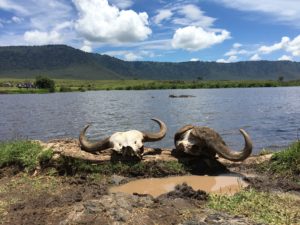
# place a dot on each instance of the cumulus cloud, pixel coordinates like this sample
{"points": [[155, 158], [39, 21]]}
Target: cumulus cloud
{"points": [[286, 44], [194, 59], [100, 22], [130, 55], [255, 57], [269, 49], [194, 38], [232, 58], [36, 37], [285, 58]]}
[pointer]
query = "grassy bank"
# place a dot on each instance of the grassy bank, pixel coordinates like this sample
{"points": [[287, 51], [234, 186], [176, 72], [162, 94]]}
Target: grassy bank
{"points": [[85, 85], [27, 156], [261, 207], [285, 163], [267, 207]]}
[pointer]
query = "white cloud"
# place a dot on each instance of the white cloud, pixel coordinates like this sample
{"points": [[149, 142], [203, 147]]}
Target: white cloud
{"points": [[194, 59], [41, 38], [285, 58], [163, 14], [122, 4], [278, 10], [237, 45], [130, 55], [193, 15], [194, 38], [87, 46], [100, 22], [12, 6], [269, 49], [183, 14], [255, 57], [286, 44], [232, 58], [16, 19]]}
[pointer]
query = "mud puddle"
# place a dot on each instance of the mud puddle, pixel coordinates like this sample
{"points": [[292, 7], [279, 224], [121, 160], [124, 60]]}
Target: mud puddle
{"points": [[158, 186]]}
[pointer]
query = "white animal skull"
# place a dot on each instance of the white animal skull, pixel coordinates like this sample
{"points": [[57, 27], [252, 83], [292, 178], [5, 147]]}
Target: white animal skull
{"points": [[126, 143]]}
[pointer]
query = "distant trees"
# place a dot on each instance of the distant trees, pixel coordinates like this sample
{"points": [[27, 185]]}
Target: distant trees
{"points": [[45, 83]]}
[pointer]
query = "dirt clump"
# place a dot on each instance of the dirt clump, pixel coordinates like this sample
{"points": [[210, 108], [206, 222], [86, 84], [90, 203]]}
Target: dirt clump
{"points": [[186, 192]]}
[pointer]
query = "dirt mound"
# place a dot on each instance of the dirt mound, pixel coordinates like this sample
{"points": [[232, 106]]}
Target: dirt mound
{"points": [[265, 183], [186, 192]]}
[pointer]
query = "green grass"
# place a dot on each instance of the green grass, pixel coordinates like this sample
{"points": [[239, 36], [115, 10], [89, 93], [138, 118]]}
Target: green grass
{"points": [[286, 162], [86, 85], [261, 207], [25, 154]]}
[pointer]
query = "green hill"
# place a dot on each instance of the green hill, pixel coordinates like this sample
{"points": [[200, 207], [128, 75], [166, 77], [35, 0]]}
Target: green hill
{"points": [[61, 61]]}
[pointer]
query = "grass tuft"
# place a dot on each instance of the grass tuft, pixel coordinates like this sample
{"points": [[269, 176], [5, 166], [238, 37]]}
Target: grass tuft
{"points": [[284, 163], [261, 207], [25, 154]]}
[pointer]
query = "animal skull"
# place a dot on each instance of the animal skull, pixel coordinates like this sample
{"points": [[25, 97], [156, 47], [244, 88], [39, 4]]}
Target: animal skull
{"points": [[197, 141], [126, 143]]}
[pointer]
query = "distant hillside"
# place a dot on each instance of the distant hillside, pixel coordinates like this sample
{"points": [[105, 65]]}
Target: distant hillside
{"points": [[60, 61]]}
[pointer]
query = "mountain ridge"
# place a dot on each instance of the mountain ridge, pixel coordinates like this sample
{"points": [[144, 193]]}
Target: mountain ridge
{"points": [[65, 62]]}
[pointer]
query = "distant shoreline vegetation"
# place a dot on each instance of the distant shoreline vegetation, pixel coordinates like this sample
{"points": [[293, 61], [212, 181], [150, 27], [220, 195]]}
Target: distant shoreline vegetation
{"points": [[10, 86]]}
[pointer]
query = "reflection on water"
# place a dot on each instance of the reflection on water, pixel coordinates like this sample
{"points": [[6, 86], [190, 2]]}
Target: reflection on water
{"points": [[269, 115], [158, 186]]}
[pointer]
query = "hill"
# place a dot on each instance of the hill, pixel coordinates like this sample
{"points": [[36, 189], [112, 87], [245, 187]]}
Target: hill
{"points": [[61, 61]]}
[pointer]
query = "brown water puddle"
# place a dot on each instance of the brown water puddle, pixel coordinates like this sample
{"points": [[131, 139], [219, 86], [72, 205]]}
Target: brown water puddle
{"points": [[157, 186]]}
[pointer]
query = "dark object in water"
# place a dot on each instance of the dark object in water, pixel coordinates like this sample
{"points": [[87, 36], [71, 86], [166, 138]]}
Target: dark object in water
{"points": [[181, 96]]}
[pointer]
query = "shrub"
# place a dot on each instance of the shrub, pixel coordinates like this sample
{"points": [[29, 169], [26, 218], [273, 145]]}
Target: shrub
{"points": [[45, 83]]}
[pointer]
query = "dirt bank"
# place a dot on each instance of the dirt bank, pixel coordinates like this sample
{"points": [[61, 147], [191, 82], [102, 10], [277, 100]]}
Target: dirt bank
{"points": [[51, 197]]}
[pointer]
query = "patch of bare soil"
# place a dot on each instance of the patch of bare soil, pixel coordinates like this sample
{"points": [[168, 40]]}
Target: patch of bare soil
{"points": [[44, 200]]}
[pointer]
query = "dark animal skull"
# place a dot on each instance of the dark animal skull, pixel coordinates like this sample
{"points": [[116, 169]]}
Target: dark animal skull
{"points": [[127, 143], [197, 141]]}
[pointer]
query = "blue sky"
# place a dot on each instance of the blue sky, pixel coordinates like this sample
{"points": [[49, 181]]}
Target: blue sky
{"points": [[159, 30]]}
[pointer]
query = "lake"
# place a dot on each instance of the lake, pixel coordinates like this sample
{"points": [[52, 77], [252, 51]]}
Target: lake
{"points": [[270, 115]]}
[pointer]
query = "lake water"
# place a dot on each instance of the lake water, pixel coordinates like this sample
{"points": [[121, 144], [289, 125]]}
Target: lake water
{"points": [[270, 115]]}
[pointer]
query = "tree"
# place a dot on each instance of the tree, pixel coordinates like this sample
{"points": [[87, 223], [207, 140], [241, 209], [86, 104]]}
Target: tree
{"points": [[45, 83], [281, 78]]}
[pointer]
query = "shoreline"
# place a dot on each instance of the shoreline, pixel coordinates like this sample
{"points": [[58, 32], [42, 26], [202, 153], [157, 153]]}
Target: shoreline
{"points": [[108, 85]]}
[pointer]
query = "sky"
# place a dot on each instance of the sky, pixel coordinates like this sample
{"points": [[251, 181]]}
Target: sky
{"points": [[159, 30]]}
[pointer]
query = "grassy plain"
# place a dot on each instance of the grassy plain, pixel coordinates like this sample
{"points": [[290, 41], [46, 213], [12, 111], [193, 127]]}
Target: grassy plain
{"points": [[62, 85]]}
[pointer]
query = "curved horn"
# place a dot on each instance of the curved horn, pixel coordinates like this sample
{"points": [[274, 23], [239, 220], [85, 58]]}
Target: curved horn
{"points": [[181, 131], [92, 146], [231, 155], [148, 137]]}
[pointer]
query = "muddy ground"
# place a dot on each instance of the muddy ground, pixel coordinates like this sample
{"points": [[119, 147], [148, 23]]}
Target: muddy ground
{"points": [[84, 199]]}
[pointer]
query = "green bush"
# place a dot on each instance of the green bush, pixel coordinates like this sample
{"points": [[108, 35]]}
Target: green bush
{"points": [[64, 88], [45, 83]]}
